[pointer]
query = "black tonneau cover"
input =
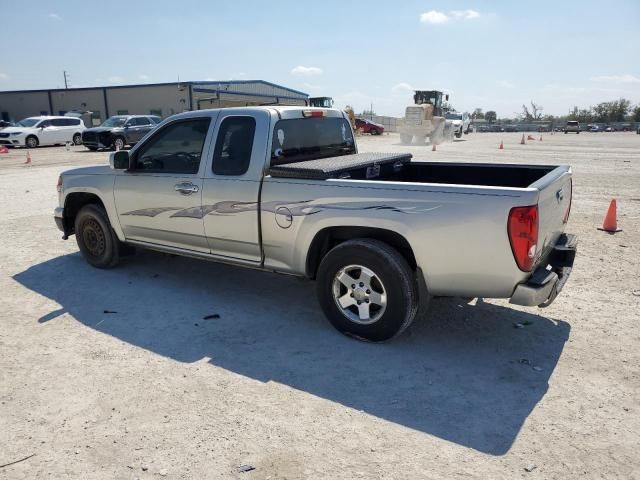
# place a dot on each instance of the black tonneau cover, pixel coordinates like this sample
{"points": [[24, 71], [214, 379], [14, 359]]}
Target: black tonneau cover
{"points": [[362, 165]]}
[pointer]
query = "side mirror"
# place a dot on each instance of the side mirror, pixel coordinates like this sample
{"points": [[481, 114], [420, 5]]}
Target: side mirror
{"points": [[119, 160]]}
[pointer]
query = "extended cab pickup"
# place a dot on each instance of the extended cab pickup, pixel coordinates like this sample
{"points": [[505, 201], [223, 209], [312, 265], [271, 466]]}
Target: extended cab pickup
{"points": [[284, 189]]}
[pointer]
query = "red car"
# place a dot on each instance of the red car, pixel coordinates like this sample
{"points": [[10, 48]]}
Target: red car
{"points": [[367, 126]]}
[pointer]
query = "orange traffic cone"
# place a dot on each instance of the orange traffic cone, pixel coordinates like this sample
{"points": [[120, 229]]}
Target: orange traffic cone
{"points": [[28, 161], [501, 147], [433, 149], [610, 223], [522, 142], [4, 149]]}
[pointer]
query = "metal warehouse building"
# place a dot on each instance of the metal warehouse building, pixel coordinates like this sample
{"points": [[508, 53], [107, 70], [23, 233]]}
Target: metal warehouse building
{"points": [[161, 99]]}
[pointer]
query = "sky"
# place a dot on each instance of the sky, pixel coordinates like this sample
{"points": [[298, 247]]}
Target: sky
{"points": [[495, 55]]}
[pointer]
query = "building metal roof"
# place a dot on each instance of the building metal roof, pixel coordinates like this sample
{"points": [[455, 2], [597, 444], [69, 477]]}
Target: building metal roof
{"points": [[232, 86]]}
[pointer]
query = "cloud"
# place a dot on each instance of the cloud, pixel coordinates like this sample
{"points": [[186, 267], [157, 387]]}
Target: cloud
{"points": [[506, 84], [467, 14], [306, 71], [402, 87], [434, 17], [4, 76], [626, 78], [55, 16], [144, 78]]}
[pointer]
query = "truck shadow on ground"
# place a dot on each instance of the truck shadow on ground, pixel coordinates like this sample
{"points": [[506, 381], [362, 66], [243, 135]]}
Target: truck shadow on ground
{"points": [[463, 373]]}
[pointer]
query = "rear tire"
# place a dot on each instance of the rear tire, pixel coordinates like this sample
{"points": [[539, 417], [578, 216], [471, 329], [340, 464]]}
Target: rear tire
{"points": [[96, 239], [77, 139], [367, 290]]}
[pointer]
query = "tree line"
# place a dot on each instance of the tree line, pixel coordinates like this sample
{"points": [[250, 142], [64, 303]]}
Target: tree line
{"points": [[619, 110]]}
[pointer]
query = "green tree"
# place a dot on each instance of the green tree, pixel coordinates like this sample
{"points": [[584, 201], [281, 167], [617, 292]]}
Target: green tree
{"points": [[477, 114], [635, 115], [491, 116]]}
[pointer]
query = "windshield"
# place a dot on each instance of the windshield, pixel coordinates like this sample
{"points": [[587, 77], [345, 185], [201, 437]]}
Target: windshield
{"points": [[28, 122], [114, 122], [299, 140], [453, 116]]}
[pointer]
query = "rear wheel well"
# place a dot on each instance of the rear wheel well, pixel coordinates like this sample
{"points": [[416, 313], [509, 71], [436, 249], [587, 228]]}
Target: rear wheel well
{"points": [[329, 237], [72, 205]]}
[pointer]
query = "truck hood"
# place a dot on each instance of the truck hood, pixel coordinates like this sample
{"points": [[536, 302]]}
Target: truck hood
{"points": [[456, 123], [93, 170]]}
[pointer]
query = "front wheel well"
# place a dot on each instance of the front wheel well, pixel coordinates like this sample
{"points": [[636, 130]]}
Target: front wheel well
{"points": [[328, 238], [72, 205]]}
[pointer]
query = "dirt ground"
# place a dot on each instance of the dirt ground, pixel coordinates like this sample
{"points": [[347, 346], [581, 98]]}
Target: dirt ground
{"points": [[115, 374]]}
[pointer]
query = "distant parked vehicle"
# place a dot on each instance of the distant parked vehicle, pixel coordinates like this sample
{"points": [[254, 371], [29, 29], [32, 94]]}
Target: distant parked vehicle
{"points": [[461, 122], [510, 128], [118, 131], [367, 126], [46, 130], [6, 123], [594, 128], [572, 126], [609, 129]]}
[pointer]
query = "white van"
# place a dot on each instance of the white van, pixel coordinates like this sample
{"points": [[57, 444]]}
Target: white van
{"points": [[34, 131]]}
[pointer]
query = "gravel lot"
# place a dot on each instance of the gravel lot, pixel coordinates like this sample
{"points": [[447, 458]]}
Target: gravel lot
{"points": [[153, 390]]}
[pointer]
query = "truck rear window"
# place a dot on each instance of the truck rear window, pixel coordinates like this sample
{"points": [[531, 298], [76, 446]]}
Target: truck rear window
{"points": [[302, 139]]}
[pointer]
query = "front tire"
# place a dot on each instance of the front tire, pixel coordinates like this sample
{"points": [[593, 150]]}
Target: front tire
{"points": [[31, 142], [118, 143], [77, 139], [367, 290], [96, 240]]}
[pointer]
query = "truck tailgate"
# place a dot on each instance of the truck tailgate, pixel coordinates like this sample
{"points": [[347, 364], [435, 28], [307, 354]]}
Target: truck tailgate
{"points": [[554, 202]]}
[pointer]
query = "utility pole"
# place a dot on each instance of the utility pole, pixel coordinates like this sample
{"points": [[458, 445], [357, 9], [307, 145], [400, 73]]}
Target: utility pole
{"points": [[66, 83], [371, 112]]}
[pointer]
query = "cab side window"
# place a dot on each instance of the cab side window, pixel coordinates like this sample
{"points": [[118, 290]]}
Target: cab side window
{"points": [[177, 148], [232, 154]]}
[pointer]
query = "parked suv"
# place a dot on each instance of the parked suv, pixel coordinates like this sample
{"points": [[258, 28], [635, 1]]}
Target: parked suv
{"points": [[118, 131], [34, 131], [572, 126]]}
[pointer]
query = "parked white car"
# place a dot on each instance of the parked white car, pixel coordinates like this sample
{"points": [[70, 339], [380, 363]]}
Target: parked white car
{"points": [[34, 131]]}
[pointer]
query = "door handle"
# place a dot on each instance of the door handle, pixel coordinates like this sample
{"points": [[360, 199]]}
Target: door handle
{"points": [[186, 188]]}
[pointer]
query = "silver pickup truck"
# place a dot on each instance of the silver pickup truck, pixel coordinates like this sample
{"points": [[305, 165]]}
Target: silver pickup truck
{"points": [[284, 189]]}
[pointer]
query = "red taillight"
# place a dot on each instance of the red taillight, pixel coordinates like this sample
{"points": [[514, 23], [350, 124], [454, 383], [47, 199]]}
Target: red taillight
{"points": [[522, 229], [313, 113], [59, 185]]}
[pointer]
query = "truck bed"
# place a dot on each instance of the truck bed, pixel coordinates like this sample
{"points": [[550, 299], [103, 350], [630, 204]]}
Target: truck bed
{"points": [[400, 168]]}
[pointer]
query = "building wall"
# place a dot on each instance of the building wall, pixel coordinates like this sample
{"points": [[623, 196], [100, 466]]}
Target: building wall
{"points": [[18, 105], [163, 100], [83, 100], [166, 99]]}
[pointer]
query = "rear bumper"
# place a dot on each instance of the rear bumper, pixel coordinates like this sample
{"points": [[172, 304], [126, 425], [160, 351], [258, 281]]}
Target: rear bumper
{"points": [[58, 216], [547, 280]]}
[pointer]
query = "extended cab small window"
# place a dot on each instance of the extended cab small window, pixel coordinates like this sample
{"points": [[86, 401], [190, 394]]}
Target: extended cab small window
{"points": [[232, 154], [177, 148], [302, 139]]}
